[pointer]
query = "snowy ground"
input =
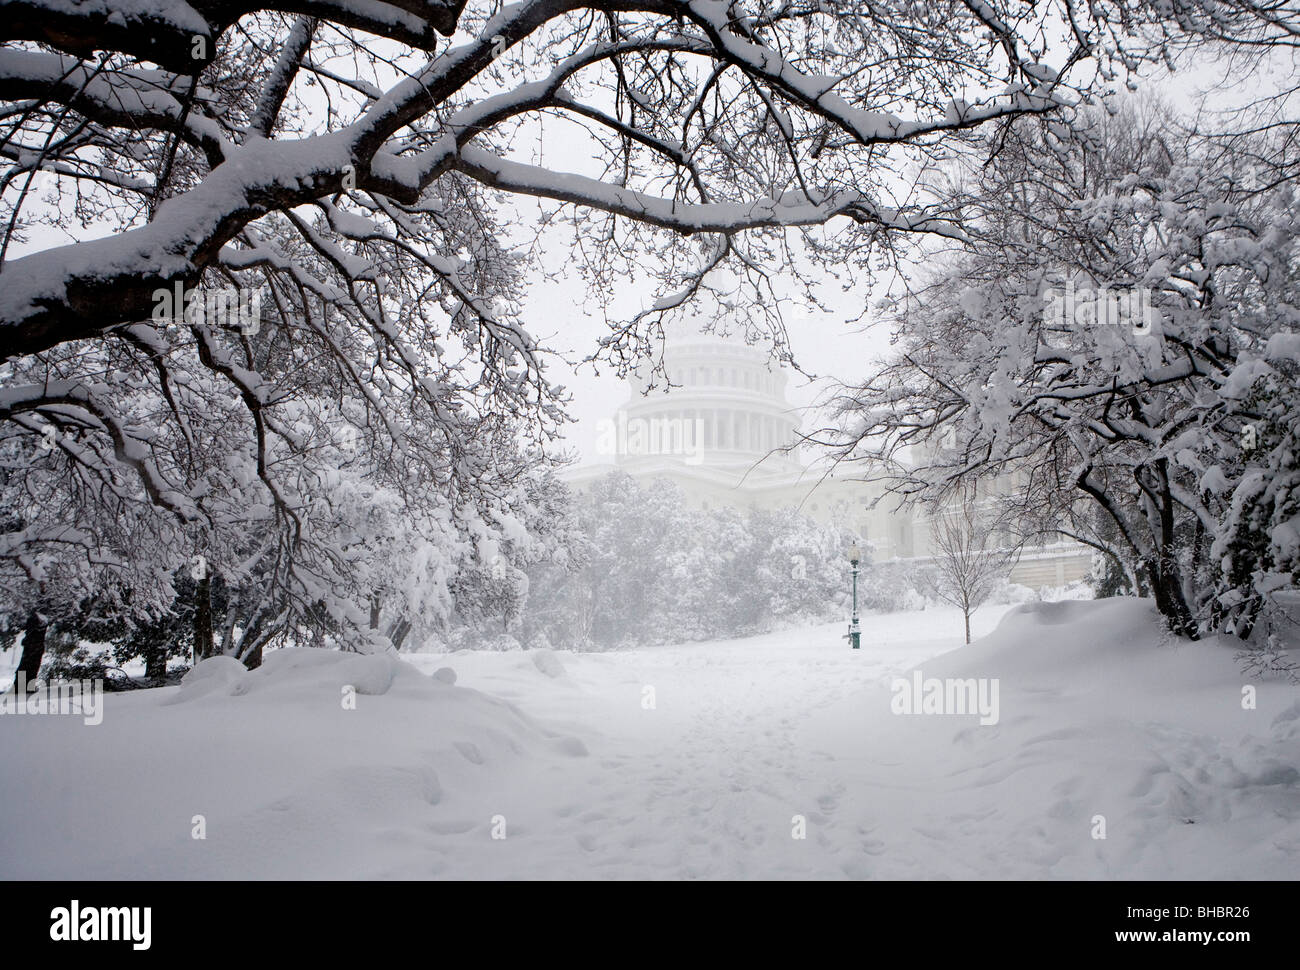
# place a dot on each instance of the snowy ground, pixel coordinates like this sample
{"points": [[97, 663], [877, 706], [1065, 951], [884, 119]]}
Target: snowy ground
{"points": [[561, 753]]}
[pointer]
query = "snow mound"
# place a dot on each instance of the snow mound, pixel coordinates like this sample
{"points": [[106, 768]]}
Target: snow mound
{"points": [[222, 670], [214, 675], [571, 746], [292, 669], [1048, 614], [282, 762], [445, 675], [370, 674], [1103, 722], [548, 663], [1056, 640]]}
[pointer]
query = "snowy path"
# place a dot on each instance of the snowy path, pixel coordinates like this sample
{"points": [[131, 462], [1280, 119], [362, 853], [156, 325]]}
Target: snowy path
{"points": [[746, 735], [708, 781]]}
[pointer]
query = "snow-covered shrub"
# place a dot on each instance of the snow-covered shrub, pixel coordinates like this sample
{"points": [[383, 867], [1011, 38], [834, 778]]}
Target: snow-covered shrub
{"points": [[650, 569], [1271, 659], [890, 587], [1005, 591], [502, 642]]}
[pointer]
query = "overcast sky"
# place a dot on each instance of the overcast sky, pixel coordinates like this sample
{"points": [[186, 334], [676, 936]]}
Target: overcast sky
{"points": [[833, 345]]}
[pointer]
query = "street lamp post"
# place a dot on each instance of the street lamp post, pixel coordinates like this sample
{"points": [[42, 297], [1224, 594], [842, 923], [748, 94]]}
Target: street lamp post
{"points": [[854, 635]]}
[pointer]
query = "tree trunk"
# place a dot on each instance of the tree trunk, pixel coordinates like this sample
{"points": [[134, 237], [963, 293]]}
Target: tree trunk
{"points": [[155, 662], [1180, 614], [397, 635], [251, 656], [374, 611], [967, 614], [1167, 589], [1245, 621], [203, 618], [29, 664]]}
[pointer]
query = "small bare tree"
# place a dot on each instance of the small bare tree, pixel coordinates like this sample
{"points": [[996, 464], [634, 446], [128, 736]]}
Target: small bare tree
{"points": [[971, 553]]}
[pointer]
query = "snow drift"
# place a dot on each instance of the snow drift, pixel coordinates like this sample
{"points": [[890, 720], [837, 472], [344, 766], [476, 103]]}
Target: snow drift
{"points": [[1120, 752], [317, 765]]}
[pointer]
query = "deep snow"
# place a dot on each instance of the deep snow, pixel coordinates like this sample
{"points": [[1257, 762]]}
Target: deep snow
{"points": [[563, 754]]}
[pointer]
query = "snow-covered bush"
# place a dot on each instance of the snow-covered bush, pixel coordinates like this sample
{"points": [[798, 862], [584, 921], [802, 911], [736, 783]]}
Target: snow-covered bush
{"points": [[890, 586], [650, 569]]}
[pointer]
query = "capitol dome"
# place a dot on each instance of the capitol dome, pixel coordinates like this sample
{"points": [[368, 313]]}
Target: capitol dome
{"points": [[724, 407]]}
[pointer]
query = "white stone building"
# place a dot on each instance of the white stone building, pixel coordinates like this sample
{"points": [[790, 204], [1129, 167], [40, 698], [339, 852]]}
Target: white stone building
{"points": [[727, 435]]}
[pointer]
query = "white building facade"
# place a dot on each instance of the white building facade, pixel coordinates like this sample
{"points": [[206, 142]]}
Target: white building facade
{"points": [[726, 434]]}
